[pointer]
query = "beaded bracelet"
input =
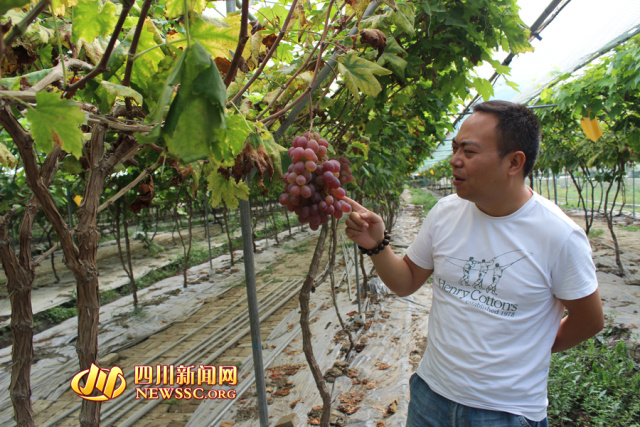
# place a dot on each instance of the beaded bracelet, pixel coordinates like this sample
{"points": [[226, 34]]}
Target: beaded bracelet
{"points": [[380, 247]]}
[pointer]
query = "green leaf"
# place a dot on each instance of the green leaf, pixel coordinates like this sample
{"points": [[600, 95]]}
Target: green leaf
{"points": [[404, 18], [484, 87], [56, 121], [91, 21], [359, 74], [196, 136], [123, 91], [174, 77], [237, 133], [227, 191], [195, 125], [217, 40], [146, 65], [10, 4], [6, 158], [175, 8], [395, 63]]}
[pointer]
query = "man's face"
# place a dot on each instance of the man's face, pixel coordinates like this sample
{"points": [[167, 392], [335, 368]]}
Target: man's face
{"points": [[479, 172]]}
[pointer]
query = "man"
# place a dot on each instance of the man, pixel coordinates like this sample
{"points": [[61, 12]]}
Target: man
{"points": [[489, 347]]}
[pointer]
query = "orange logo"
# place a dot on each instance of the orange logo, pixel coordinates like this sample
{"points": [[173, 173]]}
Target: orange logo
{"points": [[103, 380]]}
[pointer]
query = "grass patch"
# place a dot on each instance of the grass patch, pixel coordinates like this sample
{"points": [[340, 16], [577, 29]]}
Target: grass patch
{"points": [[633, 228], [596, 233], [596, 383], [423, 198]]}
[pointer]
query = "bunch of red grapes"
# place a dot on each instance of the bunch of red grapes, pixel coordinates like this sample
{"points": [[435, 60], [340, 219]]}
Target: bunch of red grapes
{"points": [[313, 183]]}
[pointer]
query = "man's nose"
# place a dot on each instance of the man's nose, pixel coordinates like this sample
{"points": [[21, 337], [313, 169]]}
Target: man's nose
{"points": [[455, 161]]}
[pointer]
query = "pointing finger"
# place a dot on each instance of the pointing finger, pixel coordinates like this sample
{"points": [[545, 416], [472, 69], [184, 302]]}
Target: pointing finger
{"points": [[357, 207]]}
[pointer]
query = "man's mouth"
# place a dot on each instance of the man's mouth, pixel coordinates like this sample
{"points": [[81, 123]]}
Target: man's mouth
{"points": [[457, 180]]}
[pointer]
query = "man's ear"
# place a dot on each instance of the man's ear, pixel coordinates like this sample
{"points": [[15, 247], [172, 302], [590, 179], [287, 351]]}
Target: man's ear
{"points": [[516, 162]]}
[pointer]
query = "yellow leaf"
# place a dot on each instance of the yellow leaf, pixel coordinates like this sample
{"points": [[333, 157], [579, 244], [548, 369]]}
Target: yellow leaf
{"points": [[77, 199], [591, 128]]}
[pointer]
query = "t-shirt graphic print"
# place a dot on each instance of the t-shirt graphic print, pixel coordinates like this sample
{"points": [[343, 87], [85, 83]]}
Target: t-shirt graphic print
{"points": [[478, 284]]}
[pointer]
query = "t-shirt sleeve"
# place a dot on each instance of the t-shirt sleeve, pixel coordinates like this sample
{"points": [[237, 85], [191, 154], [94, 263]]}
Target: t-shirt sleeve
{"points": [[421, 250], [573, 274]]}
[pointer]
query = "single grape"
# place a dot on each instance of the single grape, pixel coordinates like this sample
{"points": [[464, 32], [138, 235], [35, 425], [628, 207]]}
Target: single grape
{"points": [[301, 180], [339, 192], [346, 207], [299, 167], [328, 166], [313, 145], [305, 191], [294, 191], [284, 199], [328, 200], [297, 153], [310, 165]]}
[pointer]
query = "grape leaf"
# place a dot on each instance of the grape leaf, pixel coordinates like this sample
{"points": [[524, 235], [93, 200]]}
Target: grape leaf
{"points": [[227, 191], [146, 65], [123, 91], [404, 18], [195, 124], [359, 74], [164, 98], [175, 8], [59, 6], [10, 4], [56, 121], [237, 132], [357, 6], [484, 87], [6, 158], [217, 40], [395, 63], [274, 150], [91, 21], [195, 136]]}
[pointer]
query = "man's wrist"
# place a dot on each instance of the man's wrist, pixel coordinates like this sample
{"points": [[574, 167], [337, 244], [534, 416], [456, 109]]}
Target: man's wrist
{"points": [[385, 242]]}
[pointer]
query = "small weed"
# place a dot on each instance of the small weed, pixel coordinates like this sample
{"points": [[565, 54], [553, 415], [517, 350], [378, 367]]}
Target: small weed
{"points": [[633, 228], [596, 233], [423, 198], [59, 314], [138, 312], [595, 383]]}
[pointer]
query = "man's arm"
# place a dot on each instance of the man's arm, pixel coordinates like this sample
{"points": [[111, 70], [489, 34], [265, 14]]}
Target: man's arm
{"points": [[584, 319], [400, 275]]}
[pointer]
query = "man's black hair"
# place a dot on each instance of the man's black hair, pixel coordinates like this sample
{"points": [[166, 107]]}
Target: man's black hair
{"points": [[518, 129]]}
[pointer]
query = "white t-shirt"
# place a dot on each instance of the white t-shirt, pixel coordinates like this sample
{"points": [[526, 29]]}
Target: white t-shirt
{"points": [[495, 312]]}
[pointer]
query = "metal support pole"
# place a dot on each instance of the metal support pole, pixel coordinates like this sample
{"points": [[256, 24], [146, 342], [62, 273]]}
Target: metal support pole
{"points": [[206, 225], [555, 189], [633, 186], [231, 6], [69, 209], [254, 317]]}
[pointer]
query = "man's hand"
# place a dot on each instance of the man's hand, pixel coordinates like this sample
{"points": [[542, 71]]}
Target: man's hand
{"points": [[364, 227]]}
